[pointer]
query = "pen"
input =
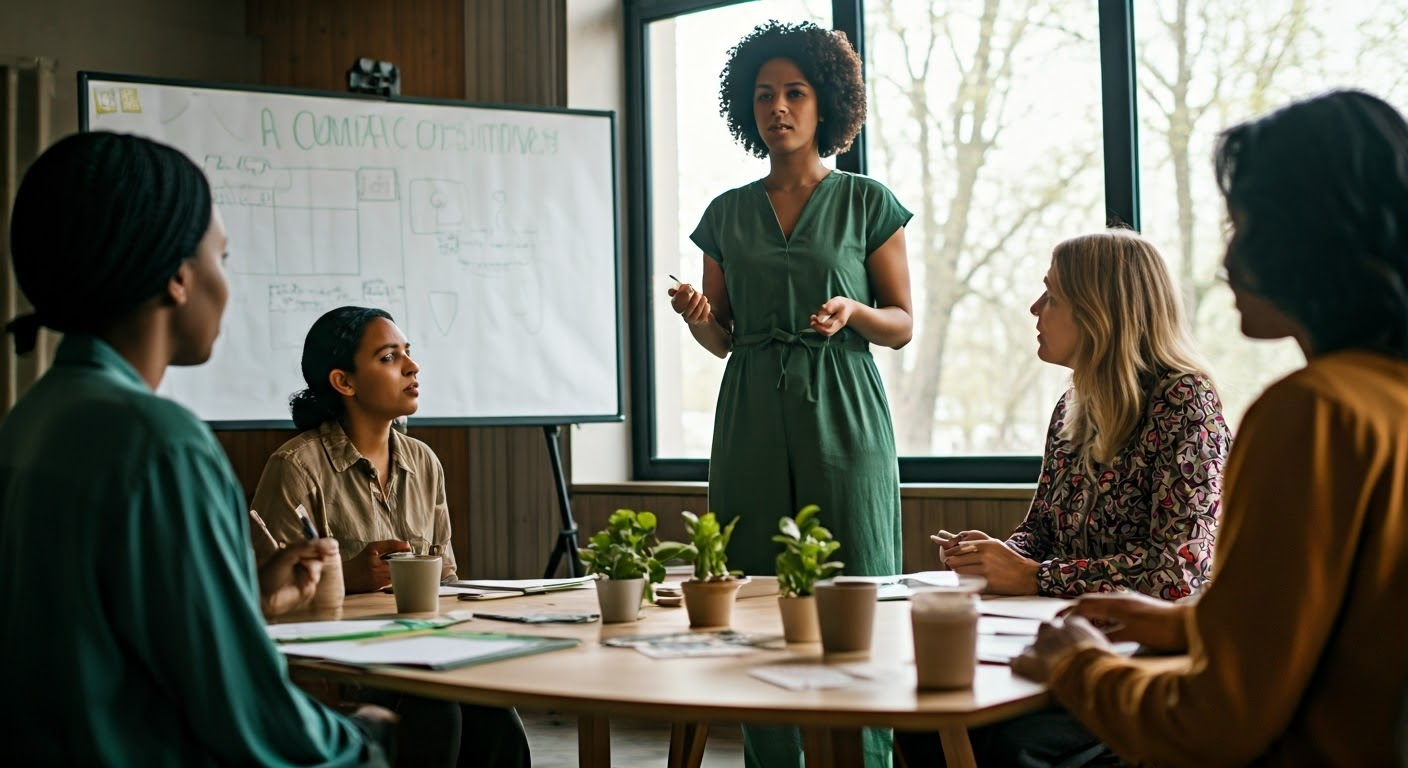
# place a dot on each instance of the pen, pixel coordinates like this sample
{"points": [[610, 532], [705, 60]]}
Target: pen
{"points": [[676, 279], [1110, 626], [308, 530], [260, 522]]}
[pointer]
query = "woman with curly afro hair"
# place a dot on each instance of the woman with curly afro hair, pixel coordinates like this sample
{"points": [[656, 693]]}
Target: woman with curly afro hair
{"points": [[803, 270]]}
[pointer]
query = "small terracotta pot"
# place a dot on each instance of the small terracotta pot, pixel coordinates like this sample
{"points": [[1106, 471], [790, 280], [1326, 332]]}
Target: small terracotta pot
{"points": [[619, 599], [799, 624], [710, 603]]}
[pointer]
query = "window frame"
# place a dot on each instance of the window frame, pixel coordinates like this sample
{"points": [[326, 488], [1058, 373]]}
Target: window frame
{"points": [[1121, 154]]}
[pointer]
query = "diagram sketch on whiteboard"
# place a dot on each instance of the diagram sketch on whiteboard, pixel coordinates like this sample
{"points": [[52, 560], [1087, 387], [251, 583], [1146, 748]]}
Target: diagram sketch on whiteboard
{"points": [[442, 228]]}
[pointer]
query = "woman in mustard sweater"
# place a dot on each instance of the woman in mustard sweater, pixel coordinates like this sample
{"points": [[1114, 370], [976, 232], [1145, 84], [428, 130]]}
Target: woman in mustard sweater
{"points": [[1297, 650]]}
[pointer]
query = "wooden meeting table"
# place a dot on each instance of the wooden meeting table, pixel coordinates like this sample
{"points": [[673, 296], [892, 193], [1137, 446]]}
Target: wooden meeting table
{"points": [[597, 682]]}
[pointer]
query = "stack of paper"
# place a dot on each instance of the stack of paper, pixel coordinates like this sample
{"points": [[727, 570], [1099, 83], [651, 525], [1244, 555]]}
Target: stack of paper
{"points": [[901, 586], [306, 631], [1009, 624], [486, 589], [433, 650]]}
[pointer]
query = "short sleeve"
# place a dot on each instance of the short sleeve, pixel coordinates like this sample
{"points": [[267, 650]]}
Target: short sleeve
{"points": [[283, 486], [441, 531], [884, 216], [706, 236]]}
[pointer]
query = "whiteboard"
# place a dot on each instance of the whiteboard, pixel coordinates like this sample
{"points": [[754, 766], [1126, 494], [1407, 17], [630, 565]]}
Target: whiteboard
{"points": [[489, 234]]}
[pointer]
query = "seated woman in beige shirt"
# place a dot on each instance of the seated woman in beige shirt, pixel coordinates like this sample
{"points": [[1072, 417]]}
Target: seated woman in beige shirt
{"points": [[376, 490], [363, 483]]}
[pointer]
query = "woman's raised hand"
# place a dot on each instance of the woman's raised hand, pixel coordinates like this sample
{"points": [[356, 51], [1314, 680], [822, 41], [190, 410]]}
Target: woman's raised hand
{"points": [[690, 304]]}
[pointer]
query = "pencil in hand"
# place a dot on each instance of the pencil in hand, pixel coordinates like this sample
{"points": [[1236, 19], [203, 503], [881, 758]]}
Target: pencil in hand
{"points": [[259, 521]]}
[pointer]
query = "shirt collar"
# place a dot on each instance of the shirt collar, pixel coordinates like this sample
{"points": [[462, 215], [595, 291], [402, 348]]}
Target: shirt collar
{"points": [[343, 454], [87, 350], [398, 450]]}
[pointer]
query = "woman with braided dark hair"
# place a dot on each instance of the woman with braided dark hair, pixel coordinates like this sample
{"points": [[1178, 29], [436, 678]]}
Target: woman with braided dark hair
{"points": [[377, 490], [803, 270], [121, 513]]}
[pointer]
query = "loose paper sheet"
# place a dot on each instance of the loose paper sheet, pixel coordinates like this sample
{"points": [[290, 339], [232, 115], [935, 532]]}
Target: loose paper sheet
{"points": [[420, 650]]}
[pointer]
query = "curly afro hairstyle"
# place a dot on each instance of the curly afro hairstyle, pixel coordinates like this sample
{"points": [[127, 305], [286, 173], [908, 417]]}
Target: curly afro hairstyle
{"points": [[826, 59]]}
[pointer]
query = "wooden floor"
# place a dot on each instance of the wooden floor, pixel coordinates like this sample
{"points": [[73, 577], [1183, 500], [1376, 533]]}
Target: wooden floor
{"points": [[634, 744]]}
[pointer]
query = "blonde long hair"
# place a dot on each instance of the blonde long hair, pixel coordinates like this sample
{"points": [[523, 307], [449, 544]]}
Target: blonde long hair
{"points": [[1132, 334]]}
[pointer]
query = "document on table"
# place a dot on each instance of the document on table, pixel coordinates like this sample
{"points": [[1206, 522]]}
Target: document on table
{"points": [[433, 650], [305, 631], [1003, 625], [1002, 649], [920, 579], [1026, 607], [802, 677], [677, 645], [324, 630], [900, 586], [524, 586]]}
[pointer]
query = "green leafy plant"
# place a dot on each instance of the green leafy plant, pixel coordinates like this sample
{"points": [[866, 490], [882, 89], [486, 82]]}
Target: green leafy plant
{"points": [[626, 549], [807, 549], [707, 548]]}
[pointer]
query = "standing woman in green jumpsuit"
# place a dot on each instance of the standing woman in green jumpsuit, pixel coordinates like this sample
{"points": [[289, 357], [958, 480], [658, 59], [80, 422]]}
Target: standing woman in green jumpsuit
{"points": [[804, 269]]}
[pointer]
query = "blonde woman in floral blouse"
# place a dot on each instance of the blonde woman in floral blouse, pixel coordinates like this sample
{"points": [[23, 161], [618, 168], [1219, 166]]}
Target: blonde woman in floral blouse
{"points": [[1132, 471], [1131, 477]]}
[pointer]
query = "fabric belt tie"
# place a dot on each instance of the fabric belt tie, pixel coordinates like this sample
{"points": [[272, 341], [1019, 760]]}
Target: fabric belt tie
{"points": [[800, 377]]}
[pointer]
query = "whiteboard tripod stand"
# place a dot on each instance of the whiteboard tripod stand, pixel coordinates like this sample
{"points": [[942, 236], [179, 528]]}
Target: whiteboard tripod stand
{"points": [[566, 545]]}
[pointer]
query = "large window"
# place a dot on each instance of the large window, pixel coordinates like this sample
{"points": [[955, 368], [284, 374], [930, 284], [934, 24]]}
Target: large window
{"points": [[693, 158], [1005, 126], [1204, 64], [986, 122]]}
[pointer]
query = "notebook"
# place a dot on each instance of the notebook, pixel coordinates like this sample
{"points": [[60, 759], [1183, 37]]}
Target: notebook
{"points": [[356, 629], [520, 586], [428, 650]]}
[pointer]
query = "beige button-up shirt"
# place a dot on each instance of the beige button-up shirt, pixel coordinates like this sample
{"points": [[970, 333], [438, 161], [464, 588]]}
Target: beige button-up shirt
{"points": [[337, 485]]}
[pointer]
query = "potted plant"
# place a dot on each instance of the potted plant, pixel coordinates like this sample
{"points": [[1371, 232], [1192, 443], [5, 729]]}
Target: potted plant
{"points": [[708, 597], [623, 558], [805, 559]]}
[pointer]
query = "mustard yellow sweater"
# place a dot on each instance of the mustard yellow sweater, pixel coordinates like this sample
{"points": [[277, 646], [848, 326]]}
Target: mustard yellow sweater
{"points": [[1298, 648]]}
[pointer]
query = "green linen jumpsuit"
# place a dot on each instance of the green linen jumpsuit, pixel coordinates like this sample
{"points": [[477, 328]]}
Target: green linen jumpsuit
{"points": [[802, 419]]}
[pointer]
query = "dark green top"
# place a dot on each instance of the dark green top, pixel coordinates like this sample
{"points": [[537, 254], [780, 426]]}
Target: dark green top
{"points": [[803, 419], [133, 632]]}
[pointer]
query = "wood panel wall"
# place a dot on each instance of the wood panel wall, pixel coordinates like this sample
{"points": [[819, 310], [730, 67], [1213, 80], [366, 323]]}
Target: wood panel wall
{"points": [[922, 511], [516, 51], [502, 503], [312, 43]]}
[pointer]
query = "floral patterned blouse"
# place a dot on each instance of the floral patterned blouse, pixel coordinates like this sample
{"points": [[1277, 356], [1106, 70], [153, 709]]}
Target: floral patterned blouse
{"points": [[1145, 522]]}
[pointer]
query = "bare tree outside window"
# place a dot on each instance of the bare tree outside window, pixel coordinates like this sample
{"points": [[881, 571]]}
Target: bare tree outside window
{"points": [[986, 122], [1207, 64], [985, 118]]}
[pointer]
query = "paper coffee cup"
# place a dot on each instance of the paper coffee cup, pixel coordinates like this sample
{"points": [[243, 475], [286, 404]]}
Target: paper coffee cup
{"points": [[845, 611], [330, 590], [945, 630], [416, 583]]}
